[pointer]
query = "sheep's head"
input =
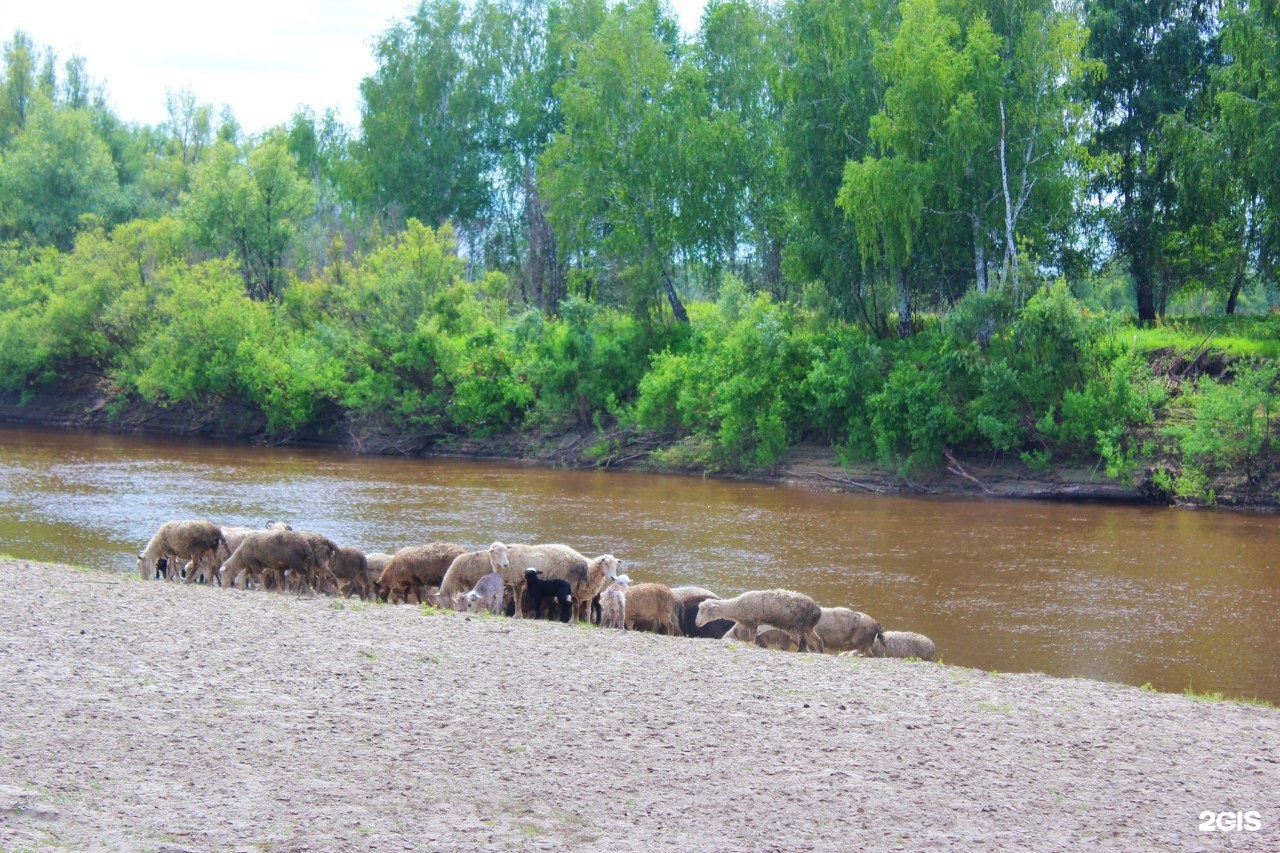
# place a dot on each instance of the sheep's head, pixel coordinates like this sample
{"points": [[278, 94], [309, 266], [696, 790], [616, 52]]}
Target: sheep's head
{"points": [[498, 555], [531, 573], [611, 565], [707, 611], [622, 579]]}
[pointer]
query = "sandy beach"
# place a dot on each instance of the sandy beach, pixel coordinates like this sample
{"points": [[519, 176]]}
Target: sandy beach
{"points": [[141, 715]]}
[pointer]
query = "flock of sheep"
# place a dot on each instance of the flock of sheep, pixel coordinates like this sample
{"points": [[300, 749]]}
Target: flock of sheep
{"points": [[518, 580]]}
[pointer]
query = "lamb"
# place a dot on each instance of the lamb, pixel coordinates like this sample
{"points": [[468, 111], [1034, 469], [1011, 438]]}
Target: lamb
{"points": [[652, 607], [765, 636], [196, 541], [467, 568], [613, 604], [903, 644], [690, 597], [488, 593], [274, 551], [411, 570], [793, 612], [350, 571], [586, 577], [554, 589]]}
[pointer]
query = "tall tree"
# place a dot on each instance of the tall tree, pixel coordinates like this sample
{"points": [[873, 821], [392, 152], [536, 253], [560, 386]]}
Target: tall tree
{"points": [[1157, 57], [420, 151], [1245, 143], [612, 173], [250, 207], [829, 90], [55, 172], [18, 84], [972, 146], [738, 172]]}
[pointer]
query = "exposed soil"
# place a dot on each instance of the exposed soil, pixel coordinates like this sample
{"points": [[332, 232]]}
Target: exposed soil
{"points": [[92, 403], [147, 715]]}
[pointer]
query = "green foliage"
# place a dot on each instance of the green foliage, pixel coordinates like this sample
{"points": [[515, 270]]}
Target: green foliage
{"points": [[56, 174], [738, 383], [1231, 428], [847, 367], [586, 364], [202, 328], [249, 208], [1249, 336], [914, 416]]}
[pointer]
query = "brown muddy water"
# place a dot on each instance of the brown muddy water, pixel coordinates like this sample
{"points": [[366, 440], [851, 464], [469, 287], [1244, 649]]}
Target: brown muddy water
{"points": [[1177, 598]]}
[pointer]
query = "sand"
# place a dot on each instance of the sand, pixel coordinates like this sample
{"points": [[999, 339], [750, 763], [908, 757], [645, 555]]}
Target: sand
{"points": [[142, 715]]}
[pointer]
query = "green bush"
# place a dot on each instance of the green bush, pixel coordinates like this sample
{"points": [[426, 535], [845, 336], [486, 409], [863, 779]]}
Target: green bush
{"points": [[586, 363], [1231, 428], [847, 367], [914, 417], [739, 382]]}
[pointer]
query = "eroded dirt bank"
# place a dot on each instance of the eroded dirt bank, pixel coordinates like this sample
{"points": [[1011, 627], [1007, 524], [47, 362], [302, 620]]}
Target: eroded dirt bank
{"points": [[145, 715], [88, 403]]}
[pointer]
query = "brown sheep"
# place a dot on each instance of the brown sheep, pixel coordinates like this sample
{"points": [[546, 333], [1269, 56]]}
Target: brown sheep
{"points": [[320, 576], [652, 607], [416, 567], [235, 534], [793, 612], [690, 597], [278, 552], [350, 571], [176, 541], [839, 628], [466, 570]]}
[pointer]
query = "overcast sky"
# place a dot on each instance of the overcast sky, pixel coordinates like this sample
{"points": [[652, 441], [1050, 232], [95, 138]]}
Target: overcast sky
{"points": [[264, 59]]}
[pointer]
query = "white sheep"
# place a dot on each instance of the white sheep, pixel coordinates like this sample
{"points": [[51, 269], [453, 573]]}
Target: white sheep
{"points": [[903, 644], [613, 604], [793, 612], [586, 577], [487, 593]]}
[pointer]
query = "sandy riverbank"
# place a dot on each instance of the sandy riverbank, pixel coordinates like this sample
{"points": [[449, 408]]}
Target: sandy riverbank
{"points": [[153, 716]]}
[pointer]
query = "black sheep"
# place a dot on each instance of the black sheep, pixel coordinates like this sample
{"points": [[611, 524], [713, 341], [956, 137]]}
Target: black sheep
{"points": [[556, 589]]}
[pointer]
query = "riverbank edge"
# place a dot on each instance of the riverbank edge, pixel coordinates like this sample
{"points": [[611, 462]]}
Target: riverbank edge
{"points": [[91, 403], [9, 562]]}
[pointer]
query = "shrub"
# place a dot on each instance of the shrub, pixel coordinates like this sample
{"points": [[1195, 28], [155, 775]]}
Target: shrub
{"points": [[1231, 428]]}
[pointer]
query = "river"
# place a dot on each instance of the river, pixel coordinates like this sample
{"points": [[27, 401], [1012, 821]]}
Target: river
{"points": [[1178, 599]]}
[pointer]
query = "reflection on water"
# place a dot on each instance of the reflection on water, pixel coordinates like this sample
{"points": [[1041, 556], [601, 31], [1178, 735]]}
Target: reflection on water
{"points": [[1172, 597]]}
